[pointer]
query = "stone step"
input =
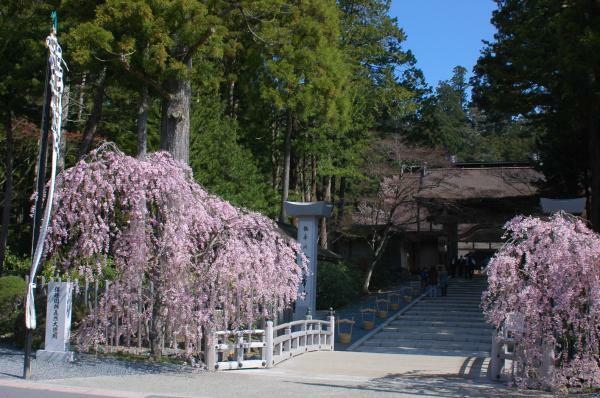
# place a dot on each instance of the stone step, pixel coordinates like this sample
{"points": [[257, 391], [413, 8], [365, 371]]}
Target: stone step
{"points": [[449, 309], [422, 351], [458, 338], [451, 300], [429, 344], [477, 331], [439, 323], [463, 294], [452, 292], [442, 316], [474, 302], [470, 315], [479, 286], [448, 325], [467, 288], [447, 303]]}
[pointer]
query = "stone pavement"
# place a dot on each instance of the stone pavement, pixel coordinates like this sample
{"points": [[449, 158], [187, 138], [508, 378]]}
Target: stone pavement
{"points": [[318, 374]]}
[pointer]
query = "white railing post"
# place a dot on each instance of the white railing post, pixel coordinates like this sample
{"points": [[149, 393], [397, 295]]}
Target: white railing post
{"points": [[269, 344], [331, 320], [547, 362], [288, 342], [210, 353], [497, 363], [239, 350]]}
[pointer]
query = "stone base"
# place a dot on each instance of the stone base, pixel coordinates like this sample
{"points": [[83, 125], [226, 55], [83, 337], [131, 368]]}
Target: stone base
{"points": [[55, 356]]}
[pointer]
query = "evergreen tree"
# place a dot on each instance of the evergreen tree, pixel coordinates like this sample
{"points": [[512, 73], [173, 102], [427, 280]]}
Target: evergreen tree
{"points": [[543, 66], [24, 26]]}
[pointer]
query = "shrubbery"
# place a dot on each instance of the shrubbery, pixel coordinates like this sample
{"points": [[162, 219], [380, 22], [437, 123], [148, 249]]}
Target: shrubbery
{"points": [[337, 284], [15, 265], [12, 293]]}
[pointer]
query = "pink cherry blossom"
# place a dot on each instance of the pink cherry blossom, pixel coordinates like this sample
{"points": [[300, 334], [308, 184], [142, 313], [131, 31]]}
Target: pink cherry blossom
{"points": [[210, 264], [548, 275]]}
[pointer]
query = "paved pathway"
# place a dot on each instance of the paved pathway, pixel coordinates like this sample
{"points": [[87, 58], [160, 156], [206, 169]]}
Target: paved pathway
{"points": [[451, 325], [450, 331], [318, 374]]}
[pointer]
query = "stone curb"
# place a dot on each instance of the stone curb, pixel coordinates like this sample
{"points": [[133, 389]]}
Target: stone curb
{"points": [[30, 385]]}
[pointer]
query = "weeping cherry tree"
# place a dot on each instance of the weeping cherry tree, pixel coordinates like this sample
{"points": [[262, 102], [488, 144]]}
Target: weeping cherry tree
{"points": [[210, 264], [547, 279]]}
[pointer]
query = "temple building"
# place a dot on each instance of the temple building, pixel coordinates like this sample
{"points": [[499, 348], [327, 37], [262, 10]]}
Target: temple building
{"points": [[454, 211]]}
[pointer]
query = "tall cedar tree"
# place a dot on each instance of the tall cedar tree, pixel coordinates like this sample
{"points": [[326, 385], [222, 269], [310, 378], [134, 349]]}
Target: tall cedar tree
{"points": [[544, 66]]}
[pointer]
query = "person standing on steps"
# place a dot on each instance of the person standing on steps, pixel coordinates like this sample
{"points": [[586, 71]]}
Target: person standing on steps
{"points": [[424, 281], [433, 281], [470, 268], [460, 265], [453, 265], [443, 277]]}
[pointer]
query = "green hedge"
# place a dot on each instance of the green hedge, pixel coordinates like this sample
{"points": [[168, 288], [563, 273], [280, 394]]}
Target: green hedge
{"points": [[15, 265], [12, 293], [338, 284]]}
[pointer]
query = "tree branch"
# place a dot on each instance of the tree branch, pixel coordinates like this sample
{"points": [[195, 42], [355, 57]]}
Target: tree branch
{"points": [[143, 77], [194, 47]]}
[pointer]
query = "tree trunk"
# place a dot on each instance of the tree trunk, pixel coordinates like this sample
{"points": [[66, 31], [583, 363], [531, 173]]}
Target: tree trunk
{"points": [[287, 154], [594, 148], [93, 121], [274, 161], [313, 173], [306, 196], [175, 120], [232, 101], [8, 188], [341, 204], [142, 123], [326, 198], [380, 248], [156, 328], [81, 97]]}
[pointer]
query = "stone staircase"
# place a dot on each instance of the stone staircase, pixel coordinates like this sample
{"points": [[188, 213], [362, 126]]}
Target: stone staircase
{"points": [[451, 325]]}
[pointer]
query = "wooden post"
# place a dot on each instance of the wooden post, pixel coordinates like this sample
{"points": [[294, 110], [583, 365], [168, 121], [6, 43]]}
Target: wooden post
{"points": [[269, 344]]}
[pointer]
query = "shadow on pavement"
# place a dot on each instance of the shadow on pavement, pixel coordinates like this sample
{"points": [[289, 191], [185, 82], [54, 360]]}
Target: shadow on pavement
{"points": [[470, 381]]}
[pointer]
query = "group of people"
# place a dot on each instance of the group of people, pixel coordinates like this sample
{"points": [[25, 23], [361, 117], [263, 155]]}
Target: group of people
{"points": [[463, 267], [435, 281]]}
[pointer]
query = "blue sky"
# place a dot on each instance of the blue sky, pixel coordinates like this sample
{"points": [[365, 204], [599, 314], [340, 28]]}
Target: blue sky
{"points": [[444, 33]]}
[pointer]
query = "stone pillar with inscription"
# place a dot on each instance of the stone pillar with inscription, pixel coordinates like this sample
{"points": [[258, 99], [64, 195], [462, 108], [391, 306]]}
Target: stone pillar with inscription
{"points": [[308, 214], [58, 323]]}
